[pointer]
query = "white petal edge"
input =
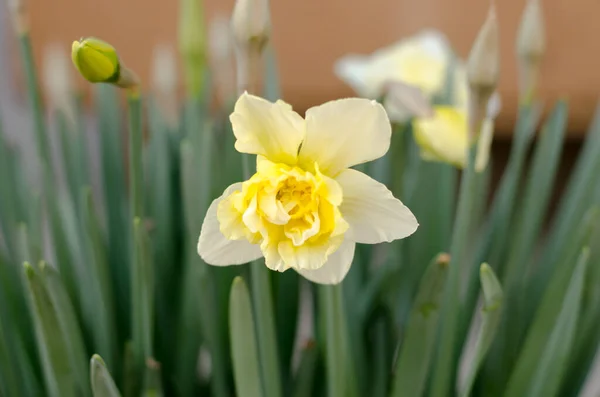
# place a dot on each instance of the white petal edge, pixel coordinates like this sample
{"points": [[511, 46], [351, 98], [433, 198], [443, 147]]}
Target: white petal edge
{"points": [[343, 133], [216, 249], [265, 128], [354, 70], [373, 213], [335, 269]]}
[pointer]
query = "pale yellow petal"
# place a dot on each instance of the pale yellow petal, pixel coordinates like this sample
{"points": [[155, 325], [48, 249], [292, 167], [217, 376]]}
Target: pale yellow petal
{"points": [[215, 248], [373, 213], [343, 133], [269, 129], [443, 137], [335, 268]]}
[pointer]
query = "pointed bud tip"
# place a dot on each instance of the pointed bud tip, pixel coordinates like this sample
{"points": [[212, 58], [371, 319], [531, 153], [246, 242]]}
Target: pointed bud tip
{"points": [[443, 259]]}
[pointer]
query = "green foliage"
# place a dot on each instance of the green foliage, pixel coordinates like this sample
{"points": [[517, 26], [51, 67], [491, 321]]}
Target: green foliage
{"points": [[125, 282]]}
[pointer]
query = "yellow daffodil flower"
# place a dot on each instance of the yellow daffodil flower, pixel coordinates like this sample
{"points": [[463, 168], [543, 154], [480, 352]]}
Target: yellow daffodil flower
{"points": [[420, 61], [304, 208], [444, 137]]}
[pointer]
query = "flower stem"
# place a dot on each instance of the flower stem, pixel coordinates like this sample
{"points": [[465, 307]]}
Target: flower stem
{"points": [[135, 155], [444, 367]]}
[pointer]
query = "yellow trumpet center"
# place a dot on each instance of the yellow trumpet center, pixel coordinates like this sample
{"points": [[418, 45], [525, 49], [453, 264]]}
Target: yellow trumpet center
{"points": [[285, 208]]}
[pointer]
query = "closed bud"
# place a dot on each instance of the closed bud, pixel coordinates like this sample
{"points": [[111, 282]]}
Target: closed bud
{"points": [[18, 14], [192, 44], [483, 65], [531, 37], [483, 71], [251, 23], [98, 62], [531, 46]]}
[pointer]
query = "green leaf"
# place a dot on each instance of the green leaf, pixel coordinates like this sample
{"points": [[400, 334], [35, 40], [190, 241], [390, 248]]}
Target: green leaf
{"points": [[265, 329], [60, 371], [338, 359], [417, 348], [118, 221], [142, 298], [444, 368], [547, 312], [152, 380], [483, 330], [100, 287], [244, 351], [102, 383], [550, 367], [304, 382]]}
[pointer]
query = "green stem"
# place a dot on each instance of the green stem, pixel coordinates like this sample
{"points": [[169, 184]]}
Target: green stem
{"points": [[444, 368], [136, 178], [336, 337]]}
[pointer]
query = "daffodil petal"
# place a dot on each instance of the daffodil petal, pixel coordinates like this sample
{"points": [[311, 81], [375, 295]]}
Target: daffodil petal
{"points": [[373, 213], [343, 133], [355, 71], [335, 269], [269, 129], [215, 248]]}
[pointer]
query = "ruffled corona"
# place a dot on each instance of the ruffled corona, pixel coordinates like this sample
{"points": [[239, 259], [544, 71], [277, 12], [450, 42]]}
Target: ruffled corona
{"points": [[304, 208]]}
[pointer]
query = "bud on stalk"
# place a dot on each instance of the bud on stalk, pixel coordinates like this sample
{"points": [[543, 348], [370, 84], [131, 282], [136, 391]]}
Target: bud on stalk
{"points": [[531, 47], [251, 27], [483, 71]]}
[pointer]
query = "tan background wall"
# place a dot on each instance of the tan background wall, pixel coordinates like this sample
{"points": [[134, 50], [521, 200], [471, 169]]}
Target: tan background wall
{"points": [[309, 35]]}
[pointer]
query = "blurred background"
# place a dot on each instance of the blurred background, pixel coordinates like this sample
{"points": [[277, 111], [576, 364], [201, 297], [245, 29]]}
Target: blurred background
{"points": [[309, 35]]}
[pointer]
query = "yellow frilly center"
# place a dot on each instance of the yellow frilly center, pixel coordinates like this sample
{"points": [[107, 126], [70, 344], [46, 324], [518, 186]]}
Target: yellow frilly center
{"points": [[291, 212]]}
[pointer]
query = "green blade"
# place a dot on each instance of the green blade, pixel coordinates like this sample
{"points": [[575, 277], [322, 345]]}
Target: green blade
{"points": [[244, 350], [103, 384], [483, 331], [417, 348]]}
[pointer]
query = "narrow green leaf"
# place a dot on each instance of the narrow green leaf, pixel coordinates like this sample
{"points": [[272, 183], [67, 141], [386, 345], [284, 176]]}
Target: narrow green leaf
{"points": [[152, 380], [136, 177], [547, 311], [244, 350], [338, 359], [444, 368], [265, 329], [483, 331], [537, 195], [103, 384], [142, 298], [286, 302], [417, 347], [69, 326], [100, 286], [304, 381], [551, 364], [56, 364], [115, 199]]}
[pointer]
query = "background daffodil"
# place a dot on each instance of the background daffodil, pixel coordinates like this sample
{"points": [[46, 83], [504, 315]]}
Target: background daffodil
{"points": [[304, 208]]}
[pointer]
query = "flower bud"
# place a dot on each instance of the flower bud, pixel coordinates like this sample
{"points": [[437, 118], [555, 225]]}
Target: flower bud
{"points": [[98, 62], [251, 27], [192, 44], [483, 71], [18, 14], [531, 46], [483, 65], [251, 23]]}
